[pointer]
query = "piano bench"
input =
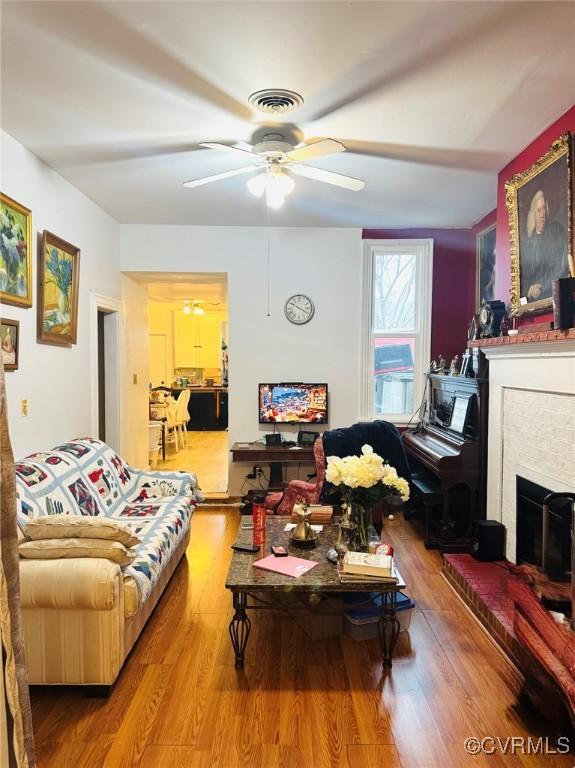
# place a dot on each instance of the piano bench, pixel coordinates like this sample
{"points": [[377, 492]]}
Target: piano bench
{"points": [[427, 489]]}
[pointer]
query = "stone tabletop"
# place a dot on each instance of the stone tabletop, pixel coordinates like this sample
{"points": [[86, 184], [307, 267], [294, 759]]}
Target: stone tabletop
{"points": [[242, 576]]}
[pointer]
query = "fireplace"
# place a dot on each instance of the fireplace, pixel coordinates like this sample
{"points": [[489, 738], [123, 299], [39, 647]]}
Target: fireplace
{"points": [[556, 558]]}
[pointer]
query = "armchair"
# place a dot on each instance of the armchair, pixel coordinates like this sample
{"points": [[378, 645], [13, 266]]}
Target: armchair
{"points": [[281, 503]]}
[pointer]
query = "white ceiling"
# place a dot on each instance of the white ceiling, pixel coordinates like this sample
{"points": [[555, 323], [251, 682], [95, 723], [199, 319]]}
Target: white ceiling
{"points": [[431, 98]]}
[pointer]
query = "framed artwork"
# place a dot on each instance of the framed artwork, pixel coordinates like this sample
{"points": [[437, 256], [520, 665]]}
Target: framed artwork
{"points": [[58, 280], [540, 206], [10, 341], [15, 253], [485, 249]]}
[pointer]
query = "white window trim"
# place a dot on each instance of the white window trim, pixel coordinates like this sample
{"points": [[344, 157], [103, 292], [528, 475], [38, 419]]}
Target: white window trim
{"points": [[423, 249]]}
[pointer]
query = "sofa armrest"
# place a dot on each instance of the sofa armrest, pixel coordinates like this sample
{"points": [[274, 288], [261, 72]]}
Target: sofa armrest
{"points": [[76, 583], [169, 483]]}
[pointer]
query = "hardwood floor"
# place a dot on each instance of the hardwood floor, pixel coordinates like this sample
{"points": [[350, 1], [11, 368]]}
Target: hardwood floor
{"points": [[179, 702], [207, 456]]}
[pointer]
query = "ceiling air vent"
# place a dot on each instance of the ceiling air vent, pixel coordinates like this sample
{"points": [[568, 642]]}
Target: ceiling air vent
{"points": [[275, 101]]}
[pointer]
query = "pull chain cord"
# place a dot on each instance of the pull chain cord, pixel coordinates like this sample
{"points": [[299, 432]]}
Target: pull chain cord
{"points": [[268, 255]]}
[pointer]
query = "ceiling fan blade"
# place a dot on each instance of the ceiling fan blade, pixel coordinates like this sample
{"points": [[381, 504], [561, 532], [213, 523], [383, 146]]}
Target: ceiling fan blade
{"points": [[329, 177], [317, 149], [219, 176], [235, 150]]}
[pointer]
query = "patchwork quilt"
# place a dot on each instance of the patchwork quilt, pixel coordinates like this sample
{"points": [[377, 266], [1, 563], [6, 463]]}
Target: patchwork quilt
{"points": [[86, 477]]}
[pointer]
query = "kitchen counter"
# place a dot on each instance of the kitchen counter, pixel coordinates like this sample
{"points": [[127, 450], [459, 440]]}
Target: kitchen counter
{"points": [[207, 409]]}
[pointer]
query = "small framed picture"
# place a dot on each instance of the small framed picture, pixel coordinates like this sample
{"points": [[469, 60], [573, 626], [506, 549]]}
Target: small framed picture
{"points": [[15, 253], [10, 341], [485, 248], [58, 281]]}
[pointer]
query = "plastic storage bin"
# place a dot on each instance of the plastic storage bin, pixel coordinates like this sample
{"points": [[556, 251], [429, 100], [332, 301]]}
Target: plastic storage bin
{"points": [[361, 623]]}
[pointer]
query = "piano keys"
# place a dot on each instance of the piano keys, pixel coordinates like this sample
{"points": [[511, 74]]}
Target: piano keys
{"points": [[448, 457]]}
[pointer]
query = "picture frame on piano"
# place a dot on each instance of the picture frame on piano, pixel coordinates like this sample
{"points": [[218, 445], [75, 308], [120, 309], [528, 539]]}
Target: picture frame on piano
{"points": [[460, 414]]}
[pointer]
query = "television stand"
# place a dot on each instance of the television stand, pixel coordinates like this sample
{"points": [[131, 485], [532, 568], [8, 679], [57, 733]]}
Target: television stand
{"points": [[274, 455]]}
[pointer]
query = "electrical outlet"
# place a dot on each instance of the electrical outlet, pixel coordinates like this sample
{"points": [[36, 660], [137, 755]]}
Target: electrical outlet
{"points": [[259, 470], [24, 406]]}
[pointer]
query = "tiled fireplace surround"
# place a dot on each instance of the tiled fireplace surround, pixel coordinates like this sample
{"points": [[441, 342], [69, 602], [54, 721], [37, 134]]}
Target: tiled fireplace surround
{"points": [[531, 423]]}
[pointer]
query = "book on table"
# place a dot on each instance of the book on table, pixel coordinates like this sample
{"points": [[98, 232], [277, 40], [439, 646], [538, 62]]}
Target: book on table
{"points": [[364, 565]]}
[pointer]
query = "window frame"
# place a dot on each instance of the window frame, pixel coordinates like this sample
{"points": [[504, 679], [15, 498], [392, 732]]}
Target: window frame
{"points": [[422, 249]]}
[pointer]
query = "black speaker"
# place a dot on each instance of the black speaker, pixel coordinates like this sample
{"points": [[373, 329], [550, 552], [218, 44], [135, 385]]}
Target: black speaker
{"points": [[488, 540]]}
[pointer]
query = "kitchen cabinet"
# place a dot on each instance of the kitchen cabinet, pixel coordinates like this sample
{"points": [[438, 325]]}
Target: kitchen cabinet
{"points": [[197, 341]]}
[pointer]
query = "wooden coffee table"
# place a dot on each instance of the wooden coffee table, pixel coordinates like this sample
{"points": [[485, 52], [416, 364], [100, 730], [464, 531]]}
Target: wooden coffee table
{"points": [[317, 590]]}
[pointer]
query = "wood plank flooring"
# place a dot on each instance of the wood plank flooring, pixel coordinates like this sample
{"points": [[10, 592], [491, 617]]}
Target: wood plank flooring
{"points": [[179, 702], [207, 455]]}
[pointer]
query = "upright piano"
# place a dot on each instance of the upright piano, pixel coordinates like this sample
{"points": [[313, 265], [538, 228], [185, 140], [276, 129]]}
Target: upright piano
{"points": [[448, 457]]}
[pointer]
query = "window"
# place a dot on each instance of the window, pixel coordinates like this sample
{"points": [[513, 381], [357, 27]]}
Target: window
{"points": [[397, 326]]}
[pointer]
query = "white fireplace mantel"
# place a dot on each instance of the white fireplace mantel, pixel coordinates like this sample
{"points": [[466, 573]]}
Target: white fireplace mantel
{"points": [[531, 423]]}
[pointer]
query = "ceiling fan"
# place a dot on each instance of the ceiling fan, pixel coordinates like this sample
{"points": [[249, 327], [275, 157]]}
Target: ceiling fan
{"points": [[277, 158]]}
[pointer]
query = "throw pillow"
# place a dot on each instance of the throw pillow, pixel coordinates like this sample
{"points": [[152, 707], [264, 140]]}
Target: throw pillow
{"points": [[80, 527], [52, 549]]}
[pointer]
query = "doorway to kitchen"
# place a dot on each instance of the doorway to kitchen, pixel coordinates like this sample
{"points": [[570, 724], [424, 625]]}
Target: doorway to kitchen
{"points": [[188, 364], [105, 368]]}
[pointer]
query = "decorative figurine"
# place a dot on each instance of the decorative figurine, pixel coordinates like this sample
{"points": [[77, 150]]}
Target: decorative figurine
{"points": [[440, 365], [454, 367]]}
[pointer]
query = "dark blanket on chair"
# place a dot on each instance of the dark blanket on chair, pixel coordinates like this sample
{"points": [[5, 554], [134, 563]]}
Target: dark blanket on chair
{"points": [[383, 437]]}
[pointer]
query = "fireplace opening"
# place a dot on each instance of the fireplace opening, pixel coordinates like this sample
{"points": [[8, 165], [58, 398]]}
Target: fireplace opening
{"points": [[529, 532]]}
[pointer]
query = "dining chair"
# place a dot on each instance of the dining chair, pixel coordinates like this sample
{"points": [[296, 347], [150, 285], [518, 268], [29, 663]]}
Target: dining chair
{"points": [[182, 416], [154, 442], [172, 436]]}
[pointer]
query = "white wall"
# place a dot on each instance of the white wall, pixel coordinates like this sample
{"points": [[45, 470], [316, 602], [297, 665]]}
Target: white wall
{"points": [[55, 381], [134, 371], [323, 263]]}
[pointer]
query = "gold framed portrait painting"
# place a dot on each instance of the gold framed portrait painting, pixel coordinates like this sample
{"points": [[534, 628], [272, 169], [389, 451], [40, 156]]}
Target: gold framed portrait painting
{"points": [[540, 207], [15, 253], [58, 281]]}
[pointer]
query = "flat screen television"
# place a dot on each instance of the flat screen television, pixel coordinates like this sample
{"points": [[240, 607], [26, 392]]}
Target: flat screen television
{"points": [[292, 403]]}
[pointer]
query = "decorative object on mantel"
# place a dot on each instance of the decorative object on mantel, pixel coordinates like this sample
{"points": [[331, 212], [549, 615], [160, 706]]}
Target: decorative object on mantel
{"points": [[363, 481], [564, 303], [438, 366], [490, 317], [466, 369], [539, 201], [454, 366], [58, 282], [15, 253]]}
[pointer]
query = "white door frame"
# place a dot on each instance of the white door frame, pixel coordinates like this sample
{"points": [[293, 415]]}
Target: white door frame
{"points": [[109, 305]]}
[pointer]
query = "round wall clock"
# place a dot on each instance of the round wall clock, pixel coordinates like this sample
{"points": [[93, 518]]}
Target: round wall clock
{"points": [[299, 309]]}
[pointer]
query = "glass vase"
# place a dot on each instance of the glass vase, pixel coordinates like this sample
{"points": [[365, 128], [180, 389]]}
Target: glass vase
{"points": [[361, 516]]}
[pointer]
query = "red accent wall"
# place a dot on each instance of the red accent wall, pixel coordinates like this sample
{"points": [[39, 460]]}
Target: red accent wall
{"points": [[523, 160], [453, 296]]}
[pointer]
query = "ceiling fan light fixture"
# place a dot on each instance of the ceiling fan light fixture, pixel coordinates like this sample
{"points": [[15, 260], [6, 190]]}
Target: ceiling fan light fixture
{"points": [[257, 185]]}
